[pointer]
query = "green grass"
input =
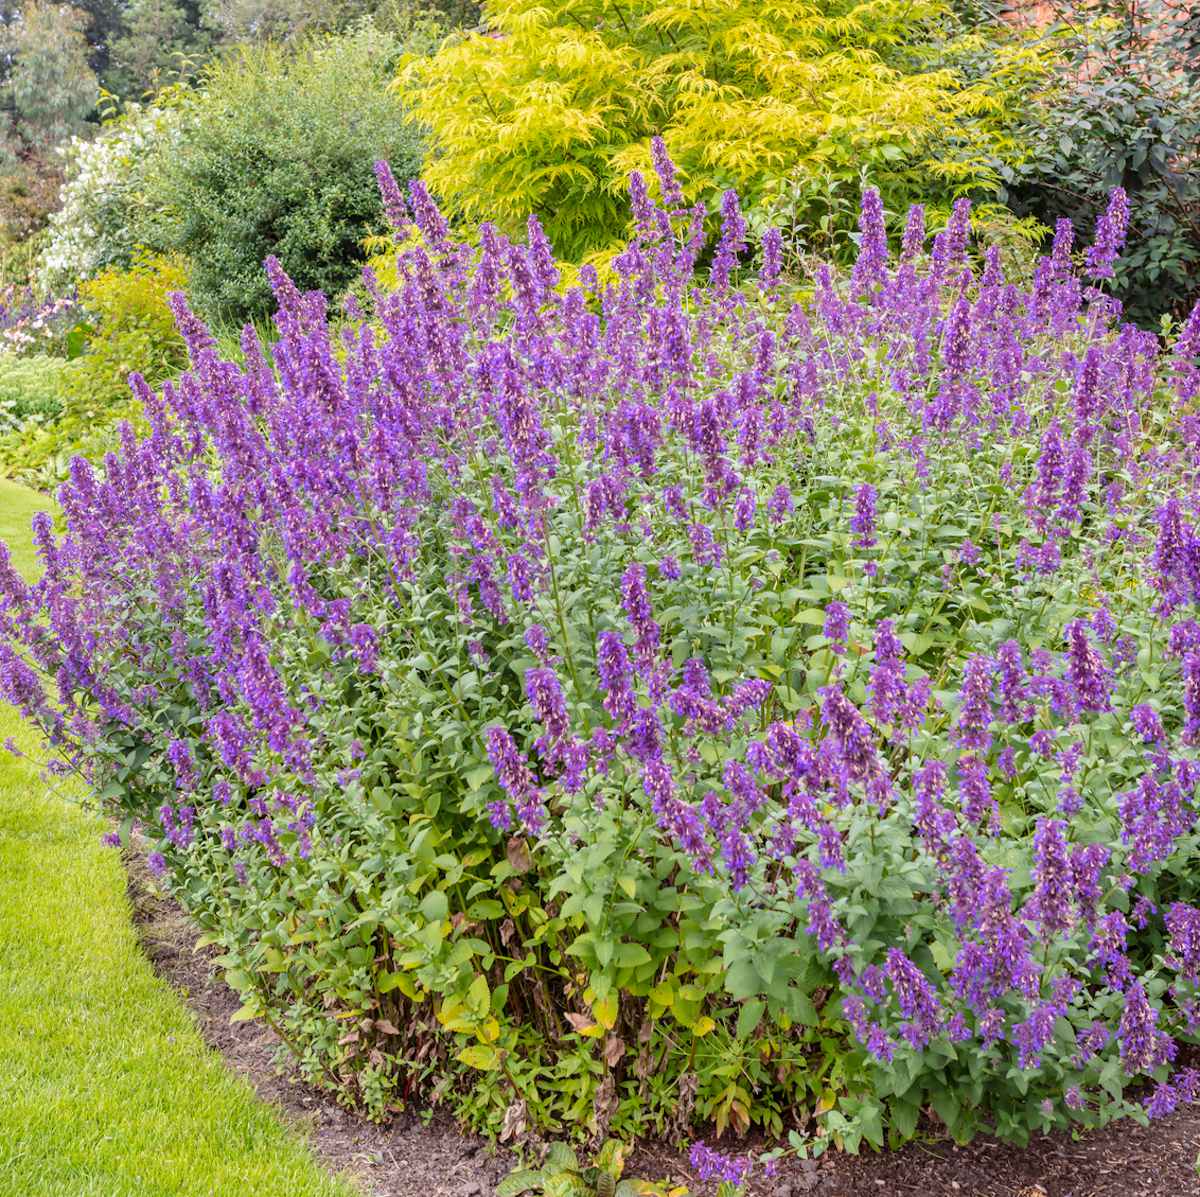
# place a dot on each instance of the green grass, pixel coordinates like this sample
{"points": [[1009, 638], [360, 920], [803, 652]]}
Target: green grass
{"points": [[107, 1089]]}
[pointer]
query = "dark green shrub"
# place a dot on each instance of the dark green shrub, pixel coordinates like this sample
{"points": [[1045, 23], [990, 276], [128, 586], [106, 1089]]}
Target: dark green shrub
{"points": [[1123, 110], [276, 158]]}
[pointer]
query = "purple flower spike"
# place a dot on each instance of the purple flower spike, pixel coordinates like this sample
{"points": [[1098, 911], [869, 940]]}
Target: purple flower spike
{"points": [[1110, 235], [862, 522]]}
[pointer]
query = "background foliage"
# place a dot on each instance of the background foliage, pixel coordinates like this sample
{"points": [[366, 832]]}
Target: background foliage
{"points": [[106, 193], [1122, 109], [126, 326], [274, 156], [549, 110]]}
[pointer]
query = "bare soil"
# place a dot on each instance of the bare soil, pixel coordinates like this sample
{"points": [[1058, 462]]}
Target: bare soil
{"points": [[412, 1157]]}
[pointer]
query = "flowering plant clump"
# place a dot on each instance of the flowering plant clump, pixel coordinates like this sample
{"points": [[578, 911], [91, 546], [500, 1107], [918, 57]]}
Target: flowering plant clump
{"points": [[31, 324], [666, 703], [94, 226]]}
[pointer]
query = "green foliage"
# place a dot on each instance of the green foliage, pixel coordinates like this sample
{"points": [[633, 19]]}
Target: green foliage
{"points": [[46, 91], [49, 87], [294, 20], [1123, 108], [161, 41], [128, 327], [30, 388], [275, 156], [550, 111], [562, 1175]]}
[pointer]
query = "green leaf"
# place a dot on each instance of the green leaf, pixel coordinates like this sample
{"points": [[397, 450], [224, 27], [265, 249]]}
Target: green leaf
{"points": [[742, 980], [521, 1181], [749, 1017], [435, 906]]}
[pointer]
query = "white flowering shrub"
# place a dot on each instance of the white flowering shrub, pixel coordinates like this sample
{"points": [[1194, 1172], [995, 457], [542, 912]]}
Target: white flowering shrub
{"points": [[104, 189]]}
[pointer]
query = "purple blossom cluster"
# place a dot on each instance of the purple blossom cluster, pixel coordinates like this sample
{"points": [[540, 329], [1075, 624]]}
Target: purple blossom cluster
{"points": [[583, 552]]}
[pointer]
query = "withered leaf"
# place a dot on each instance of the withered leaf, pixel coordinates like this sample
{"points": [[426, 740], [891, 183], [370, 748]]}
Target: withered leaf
{"points": [[518, 855], [614, 1049]]}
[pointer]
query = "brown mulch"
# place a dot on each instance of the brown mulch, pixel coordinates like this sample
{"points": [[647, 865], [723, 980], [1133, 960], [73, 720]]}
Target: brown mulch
{"points": [[412, 1157]]}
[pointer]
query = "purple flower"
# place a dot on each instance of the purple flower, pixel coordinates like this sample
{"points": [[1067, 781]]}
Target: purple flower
{"points": [[179, 754], [915, 999], [978, 803], [636, 602], [837, 625], [1110, 235], [732, 243], [515, 778], [780, 504], [971, 729], [1183, 931], [1051, 903], [772, 260], [914, 232], [862, 523], [545, 695], [712, 1165], [1162, 1101], [870, 269], [1035, 1034], [1143, 1047], [1147, 724], [1090, 678], [743, 512], [364, 641], [616, 676], [537, 642], [1191, 696]]}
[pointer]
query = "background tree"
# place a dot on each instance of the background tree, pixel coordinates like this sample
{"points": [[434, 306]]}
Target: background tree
{"points": [[161, 41], [50, 87], [47, 91], [550, 109]]}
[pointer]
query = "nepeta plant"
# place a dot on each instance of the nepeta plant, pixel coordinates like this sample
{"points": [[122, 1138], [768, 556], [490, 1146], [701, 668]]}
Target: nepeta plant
{"points": [[665, 703]]}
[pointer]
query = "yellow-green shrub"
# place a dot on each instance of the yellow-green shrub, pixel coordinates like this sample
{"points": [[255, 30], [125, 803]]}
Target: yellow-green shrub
{"points": [[128, 328], [549, 111]]}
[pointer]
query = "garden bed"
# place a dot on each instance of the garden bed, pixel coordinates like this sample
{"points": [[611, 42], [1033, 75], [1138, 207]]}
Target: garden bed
{"points": [[784, 725], [411, 1156], [408, 1156]]}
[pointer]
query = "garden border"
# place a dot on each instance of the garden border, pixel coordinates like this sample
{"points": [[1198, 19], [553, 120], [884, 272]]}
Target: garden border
{"points": [[410, 1158]]}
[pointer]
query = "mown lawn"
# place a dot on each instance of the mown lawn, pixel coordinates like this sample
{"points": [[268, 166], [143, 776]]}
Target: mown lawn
{"points": [[106, 1088]]}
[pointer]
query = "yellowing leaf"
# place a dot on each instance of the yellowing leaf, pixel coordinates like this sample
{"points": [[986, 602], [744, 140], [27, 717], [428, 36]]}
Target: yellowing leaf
{"points": [[663, 994], [605, 1010], [480, 1055]]}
